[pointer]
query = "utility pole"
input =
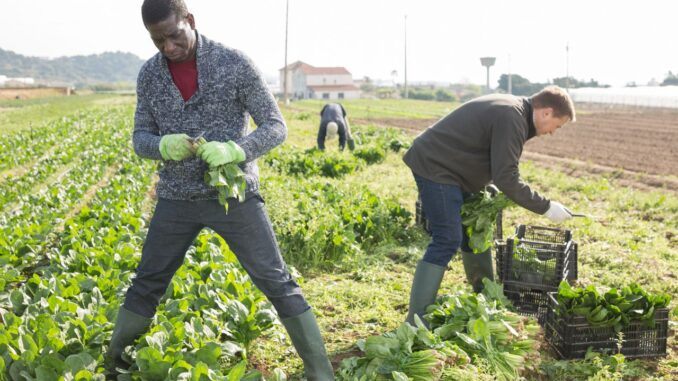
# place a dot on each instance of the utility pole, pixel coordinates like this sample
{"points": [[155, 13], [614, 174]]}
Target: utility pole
{"points": [[287, 14], [406, 92], [567, 66], [509, 75]]}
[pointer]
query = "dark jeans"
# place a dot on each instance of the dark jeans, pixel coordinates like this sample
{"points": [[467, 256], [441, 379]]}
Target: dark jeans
{"points": [[248, 232], [441, 204]]}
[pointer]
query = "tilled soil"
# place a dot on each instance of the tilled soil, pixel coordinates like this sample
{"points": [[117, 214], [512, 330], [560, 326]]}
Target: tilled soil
{"points": [[643, 141], [638, 145]]}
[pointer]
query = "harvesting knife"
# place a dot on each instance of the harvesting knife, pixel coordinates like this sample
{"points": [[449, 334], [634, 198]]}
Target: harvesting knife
{"points": [[195, 139], [579, 214]]}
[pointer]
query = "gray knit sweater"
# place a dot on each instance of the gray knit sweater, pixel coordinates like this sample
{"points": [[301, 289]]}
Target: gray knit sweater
{"points": [[230, 89]]}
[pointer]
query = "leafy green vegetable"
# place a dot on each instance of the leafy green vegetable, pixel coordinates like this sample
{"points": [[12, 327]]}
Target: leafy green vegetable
{"points": [[465, 328], [483, 329], [616, 308], [478, 215], [229, 179]]}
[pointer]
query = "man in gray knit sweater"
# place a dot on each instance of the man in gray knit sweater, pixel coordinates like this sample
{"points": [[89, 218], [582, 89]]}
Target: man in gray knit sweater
{"points": [[478, 143], [196, 86]]}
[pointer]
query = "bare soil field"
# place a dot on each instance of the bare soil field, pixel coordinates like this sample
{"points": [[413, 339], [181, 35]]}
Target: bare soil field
{"points": [[32, 92], [639, 146], [639, 140]]}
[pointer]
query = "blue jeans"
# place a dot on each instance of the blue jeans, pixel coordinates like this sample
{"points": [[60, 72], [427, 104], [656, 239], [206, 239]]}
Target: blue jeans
{"points": [[247, 230], [441, 204]]}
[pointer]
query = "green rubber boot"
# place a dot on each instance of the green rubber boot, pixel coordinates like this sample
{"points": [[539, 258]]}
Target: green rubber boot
{"points": [[351, 144], [128, 327], [305, 334], [427, 279], [477, 267]]}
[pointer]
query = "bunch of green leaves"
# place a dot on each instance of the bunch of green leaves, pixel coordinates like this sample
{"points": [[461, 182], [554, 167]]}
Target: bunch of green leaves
{"points": [[616, 308], [466, 331], [483, 328], [479, 214], [228, 179], [528, 265], [408, 353]]}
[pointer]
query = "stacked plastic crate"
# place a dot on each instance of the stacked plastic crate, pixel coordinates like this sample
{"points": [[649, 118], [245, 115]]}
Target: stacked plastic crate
{"points": [[533, 263]]}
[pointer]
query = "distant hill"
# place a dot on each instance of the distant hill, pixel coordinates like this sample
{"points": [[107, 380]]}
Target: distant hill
{"points": [[75, 70]]}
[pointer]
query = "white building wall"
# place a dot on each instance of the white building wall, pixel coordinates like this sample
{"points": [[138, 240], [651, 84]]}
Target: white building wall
{"points": [[298, 89], [335, 95], [329, 79]]}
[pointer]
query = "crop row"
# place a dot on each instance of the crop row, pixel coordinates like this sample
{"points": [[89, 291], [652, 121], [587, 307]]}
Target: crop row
{"points": [[25, 229], [58, 321], [68, 152], [28, 145]]}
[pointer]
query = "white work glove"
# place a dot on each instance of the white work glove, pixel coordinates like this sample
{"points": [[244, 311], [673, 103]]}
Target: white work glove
{"points": [[557, 212]]}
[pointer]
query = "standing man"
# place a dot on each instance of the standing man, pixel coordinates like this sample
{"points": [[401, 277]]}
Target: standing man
{"points": [[195, 85], [333, 121], [478, 143]]}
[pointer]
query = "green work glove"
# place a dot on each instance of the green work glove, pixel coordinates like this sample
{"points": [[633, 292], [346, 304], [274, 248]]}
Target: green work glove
{"points": [[175, 147], [218, 153]]}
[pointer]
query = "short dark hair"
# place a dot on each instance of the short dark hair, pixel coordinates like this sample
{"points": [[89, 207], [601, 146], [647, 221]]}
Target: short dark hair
{"points": [[556, 98], [154, 11]]}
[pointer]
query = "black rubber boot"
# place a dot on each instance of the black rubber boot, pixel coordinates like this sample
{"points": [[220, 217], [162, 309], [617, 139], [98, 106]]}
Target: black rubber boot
{"points": [[427, 279], [305, 334], [477, 267]]}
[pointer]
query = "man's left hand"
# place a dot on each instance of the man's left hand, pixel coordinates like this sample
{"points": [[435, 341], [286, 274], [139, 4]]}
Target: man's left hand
{"points": [[218, 153]]}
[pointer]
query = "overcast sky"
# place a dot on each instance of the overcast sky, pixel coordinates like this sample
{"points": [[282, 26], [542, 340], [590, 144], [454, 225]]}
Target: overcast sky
{"points": [[614, 42]]}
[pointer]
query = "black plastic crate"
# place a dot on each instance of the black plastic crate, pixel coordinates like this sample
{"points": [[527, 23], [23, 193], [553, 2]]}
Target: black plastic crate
{"points": [[556, 236], [543, 234], [559, 238], [529, 301], [571, 336], [420, 217], [536, 264]]}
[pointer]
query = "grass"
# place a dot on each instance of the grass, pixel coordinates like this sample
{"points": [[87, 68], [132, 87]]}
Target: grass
{"points": [[21, 114], [632, 237], [381, 108]]}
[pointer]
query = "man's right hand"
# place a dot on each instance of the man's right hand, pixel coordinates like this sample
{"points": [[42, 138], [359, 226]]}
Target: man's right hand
{"points": [[557, 212], [175, 147]]}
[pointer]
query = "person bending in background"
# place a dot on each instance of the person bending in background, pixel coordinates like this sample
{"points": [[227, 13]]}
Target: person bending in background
{"points": [[333, 121], [478, 143], [195, 85]]}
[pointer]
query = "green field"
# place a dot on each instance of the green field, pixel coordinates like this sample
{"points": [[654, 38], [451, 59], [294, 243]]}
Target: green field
{"points": [[76, 203]]}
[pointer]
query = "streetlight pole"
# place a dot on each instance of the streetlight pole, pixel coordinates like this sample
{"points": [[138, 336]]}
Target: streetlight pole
{"points": [[406, 92], [287, 13]]}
